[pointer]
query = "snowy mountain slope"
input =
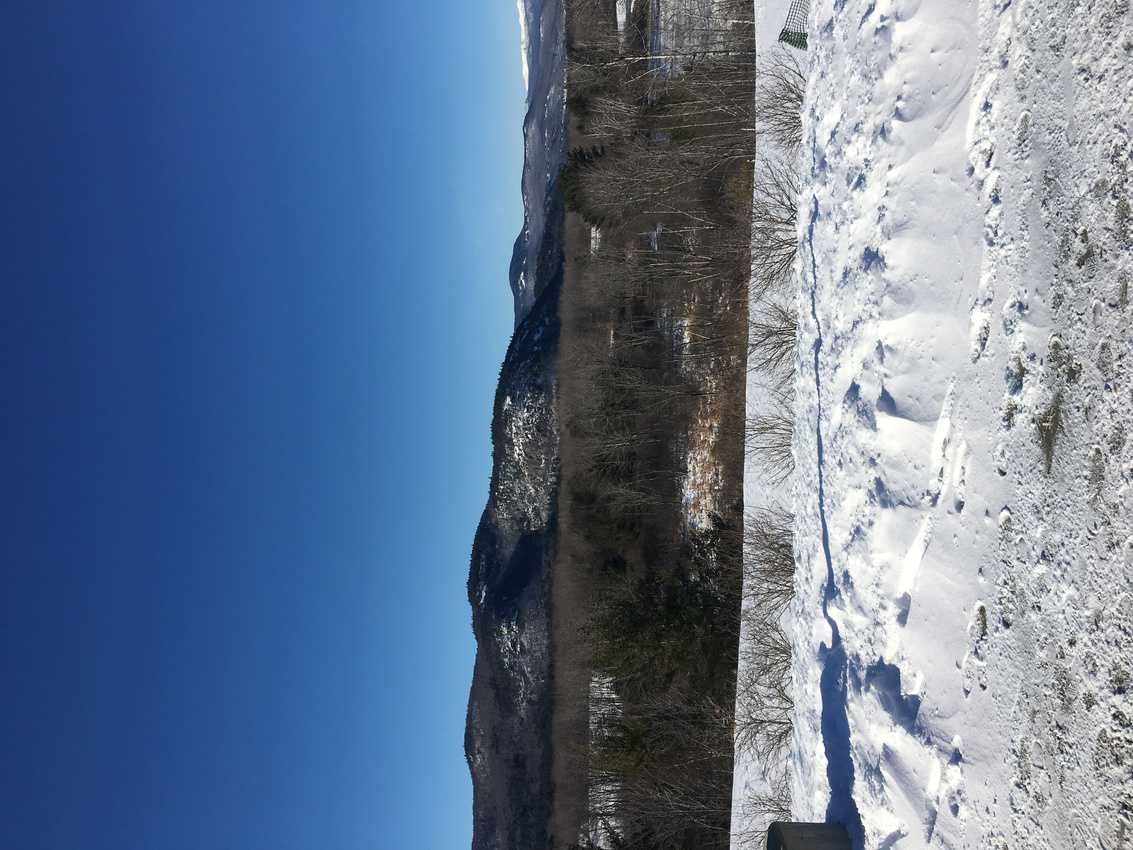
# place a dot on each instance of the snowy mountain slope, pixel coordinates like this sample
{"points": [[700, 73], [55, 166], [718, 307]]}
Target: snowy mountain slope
{"points": [[962, 623], [507, 734], [537, 254]]}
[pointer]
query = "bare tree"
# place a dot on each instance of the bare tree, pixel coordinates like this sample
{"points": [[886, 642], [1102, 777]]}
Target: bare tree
{"points": [[663, 768], [769, 560], [774, 220], [772, 331], [780, 86], [769, 440], [764, 704]]}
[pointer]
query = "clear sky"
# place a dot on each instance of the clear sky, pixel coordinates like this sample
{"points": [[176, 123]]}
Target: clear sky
{"points": [[254, 304]]}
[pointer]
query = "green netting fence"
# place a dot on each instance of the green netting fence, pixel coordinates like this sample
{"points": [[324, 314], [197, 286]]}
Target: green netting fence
{"points": [[794, 28]]}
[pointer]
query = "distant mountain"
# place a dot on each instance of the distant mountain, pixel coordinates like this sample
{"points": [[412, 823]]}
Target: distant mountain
{"points": [[538, 252], [507, 737]]}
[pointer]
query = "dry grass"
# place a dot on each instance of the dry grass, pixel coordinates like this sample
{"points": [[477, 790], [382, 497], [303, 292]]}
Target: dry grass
{"points": [[1049, 427]]}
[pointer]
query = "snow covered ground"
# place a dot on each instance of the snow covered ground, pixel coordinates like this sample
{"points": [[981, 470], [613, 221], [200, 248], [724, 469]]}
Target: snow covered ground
{"points": [[963, 621]]}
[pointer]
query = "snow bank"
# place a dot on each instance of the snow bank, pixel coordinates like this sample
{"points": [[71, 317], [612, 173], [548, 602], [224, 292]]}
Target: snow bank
{"points": [[962, 627]]}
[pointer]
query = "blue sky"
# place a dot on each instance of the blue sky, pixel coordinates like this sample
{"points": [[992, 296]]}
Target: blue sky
{"points": [[255, 301]]}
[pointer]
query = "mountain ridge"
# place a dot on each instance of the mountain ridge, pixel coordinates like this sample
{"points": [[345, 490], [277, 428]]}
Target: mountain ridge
{"points": [[507, 734]]}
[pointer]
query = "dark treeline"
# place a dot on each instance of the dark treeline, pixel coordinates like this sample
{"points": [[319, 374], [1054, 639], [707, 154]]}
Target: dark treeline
{"points": [[653, 370]]}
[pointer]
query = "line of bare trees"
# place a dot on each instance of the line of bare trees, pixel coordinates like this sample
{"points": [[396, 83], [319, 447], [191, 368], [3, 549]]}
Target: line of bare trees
{"points": [[764, 703]]}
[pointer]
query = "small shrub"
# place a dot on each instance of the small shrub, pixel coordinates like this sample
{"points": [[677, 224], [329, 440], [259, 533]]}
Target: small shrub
{"points": [[1049, 427], [1118, 678]]}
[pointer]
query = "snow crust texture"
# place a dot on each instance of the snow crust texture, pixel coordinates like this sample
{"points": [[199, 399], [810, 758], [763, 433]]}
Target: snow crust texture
{"points": [[963, 623]]}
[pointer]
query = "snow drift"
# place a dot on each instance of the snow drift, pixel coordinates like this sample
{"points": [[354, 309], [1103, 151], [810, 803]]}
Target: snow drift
{"points": [[962, 628]]}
